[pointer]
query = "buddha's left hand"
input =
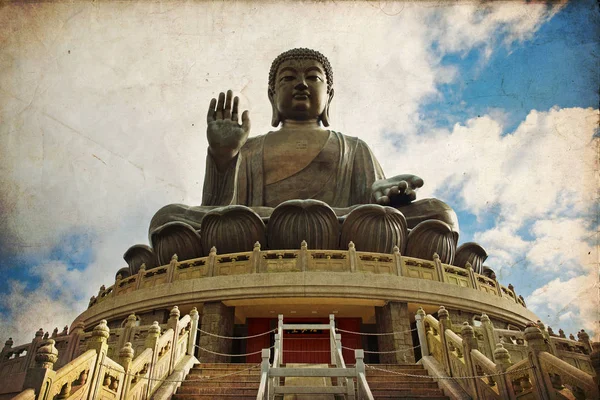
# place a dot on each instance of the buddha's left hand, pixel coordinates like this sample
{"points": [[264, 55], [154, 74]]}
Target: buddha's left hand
{"points": [[396, 191]]}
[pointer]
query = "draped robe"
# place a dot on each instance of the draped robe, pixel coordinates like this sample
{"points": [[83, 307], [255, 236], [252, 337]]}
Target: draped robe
{"points": [[341, 175]]}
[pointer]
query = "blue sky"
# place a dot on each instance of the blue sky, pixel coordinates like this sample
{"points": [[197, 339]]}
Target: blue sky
{"points": [[495, 106]]}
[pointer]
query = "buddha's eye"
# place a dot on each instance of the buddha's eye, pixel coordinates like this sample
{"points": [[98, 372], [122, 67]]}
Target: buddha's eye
{"points": [[314, 78], [287, 78]]}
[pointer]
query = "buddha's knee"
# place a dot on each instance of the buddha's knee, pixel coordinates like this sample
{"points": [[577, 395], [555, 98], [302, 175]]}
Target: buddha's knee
{"points": [[426, 209]]}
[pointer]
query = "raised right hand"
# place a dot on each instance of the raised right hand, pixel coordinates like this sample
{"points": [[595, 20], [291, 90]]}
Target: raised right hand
{"points": [[225, 135]]}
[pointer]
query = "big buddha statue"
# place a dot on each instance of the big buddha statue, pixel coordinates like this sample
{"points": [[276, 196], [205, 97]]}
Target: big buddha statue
{"points": [[299, 182]]}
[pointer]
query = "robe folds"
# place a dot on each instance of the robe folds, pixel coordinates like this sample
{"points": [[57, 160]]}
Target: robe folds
{"points": [[341, 175]]}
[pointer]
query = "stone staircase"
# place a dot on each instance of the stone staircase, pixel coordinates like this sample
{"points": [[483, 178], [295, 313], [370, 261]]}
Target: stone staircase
{"points": [[240, 381], [387, 385], [220, 382]]}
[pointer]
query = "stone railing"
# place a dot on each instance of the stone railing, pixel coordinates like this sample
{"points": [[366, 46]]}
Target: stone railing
{"points": [[94, 374], [304, 260], [540, 372]]}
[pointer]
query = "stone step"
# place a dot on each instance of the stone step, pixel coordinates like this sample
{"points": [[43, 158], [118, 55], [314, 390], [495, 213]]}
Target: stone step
{"points": [[223, 371], [403, 385], [223, 365], [243, 380], [238, 391], [212, 396]]}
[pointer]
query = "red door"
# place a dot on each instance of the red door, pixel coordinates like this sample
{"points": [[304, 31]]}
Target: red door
{"points": [[310, 347]]}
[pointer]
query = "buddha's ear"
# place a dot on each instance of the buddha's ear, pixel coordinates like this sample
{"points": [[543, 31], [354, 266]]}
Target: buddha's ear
{"points": [[275, 118], [325, 115]]}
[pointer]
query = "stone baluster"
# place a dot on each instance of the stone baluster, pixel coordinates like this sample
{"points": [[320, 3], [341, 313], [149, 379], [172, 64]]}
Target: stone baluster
{"points": [[128, 331], [125, 358], [140, 276], [173, 323], [503, 362], [212, 261], [172, 267], [472, 279], [469, 343], [439, 268], [585, 339], [151, 342], [191, 345], [445, 323], [397, 260], [42, 371], [536, 343], [420, 320], [98, 343], [303, 256], [489, 339], [255, 257], [352, 256], [7, 346]]}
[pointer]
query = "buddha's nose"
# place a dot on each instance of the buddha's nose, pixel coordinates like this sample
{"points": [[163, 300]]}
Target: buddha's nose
{"points": [[301, 85]]}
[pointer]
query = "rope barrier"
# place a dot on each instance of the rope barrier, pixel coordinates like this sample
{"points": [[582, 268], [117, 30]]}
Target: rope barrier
{"points": [[374, 334], [382, 352], [448, 377], [236, 337], [231, 355]]}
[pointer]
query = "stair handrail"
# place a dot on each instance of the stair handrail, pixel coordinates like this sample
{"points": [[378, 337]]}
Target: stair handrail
{"points": [[363, 389], [579, 380], [263, 387]]}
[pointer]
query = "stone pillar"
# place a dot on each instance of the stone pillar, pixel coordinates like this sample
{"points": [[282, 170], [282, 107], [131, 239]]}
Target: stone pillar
{"points": [[217, 319], [42, 372], [394, 317]]}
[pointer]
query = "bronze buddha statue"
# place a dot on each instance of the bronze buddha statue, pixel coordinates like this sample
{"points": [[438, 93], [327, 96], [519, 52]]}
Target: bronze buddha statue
{"points": [[300, 161]]}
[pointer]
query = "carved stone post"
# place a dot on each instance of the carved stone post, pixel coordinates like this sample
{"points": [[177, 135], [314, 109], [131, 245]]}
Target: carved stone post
{"points": [[172, 267], [352, 256], [151, 342], [397, 260], [595, 358], [255, 257], [303, 257], [472, 280], [445, 323], [585, 339], [42, 371], [193, 332], [212, 260], [74, 337], [420, 319], [173, 323], [97, 342], [7, 346], [140, 276], [489, 340], [502, 357], [35, 343], [125, 358], [537, 344], [439, 268], [128, 331], [470, 343]]}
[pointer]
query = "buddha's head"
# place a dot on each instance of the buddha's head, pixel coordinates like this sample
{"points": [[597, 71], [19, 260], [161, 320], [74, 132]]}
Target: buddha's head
{"points": [[300, 86]]}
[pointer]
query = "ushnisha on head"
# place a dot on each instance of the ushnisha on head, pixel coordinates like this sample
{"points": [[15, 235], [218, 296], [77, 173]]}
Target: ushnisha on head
{"points": [[300, 87]]}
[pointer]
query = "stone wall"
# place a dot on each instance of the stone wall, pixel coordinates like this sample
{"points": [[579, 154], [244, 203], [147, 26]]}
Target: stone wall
{"points": [[217, 319], [458, 317], [394, 317]]}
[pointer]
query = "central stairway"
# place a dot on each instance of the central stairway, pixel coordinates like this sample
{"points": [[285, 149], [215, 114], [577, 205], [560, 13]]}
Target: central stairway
{"points": [[391, 385], [220, 382], [240, 381]]}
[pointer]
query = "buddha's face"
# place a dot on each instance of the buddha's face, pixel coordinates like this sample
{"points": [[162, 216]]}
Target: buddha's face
{"points": [[300, 90]]}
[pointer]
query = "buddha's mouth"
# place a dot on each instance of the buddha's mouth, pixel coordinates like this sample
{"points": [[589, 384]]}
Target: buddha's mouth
{"points": [[301, 96]]}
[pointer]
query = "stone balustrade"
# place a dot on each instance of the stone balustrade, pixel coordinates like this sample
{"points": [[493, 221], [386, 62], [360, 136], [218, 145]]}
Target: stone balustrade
{"points": [[480, 359], [92, 373], [304, 260]]}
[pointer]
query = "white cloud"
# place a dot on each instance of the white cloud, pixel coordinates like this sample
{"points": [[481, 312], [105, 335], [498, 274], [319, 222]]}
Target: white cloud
{"points": [[575, 301]]}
